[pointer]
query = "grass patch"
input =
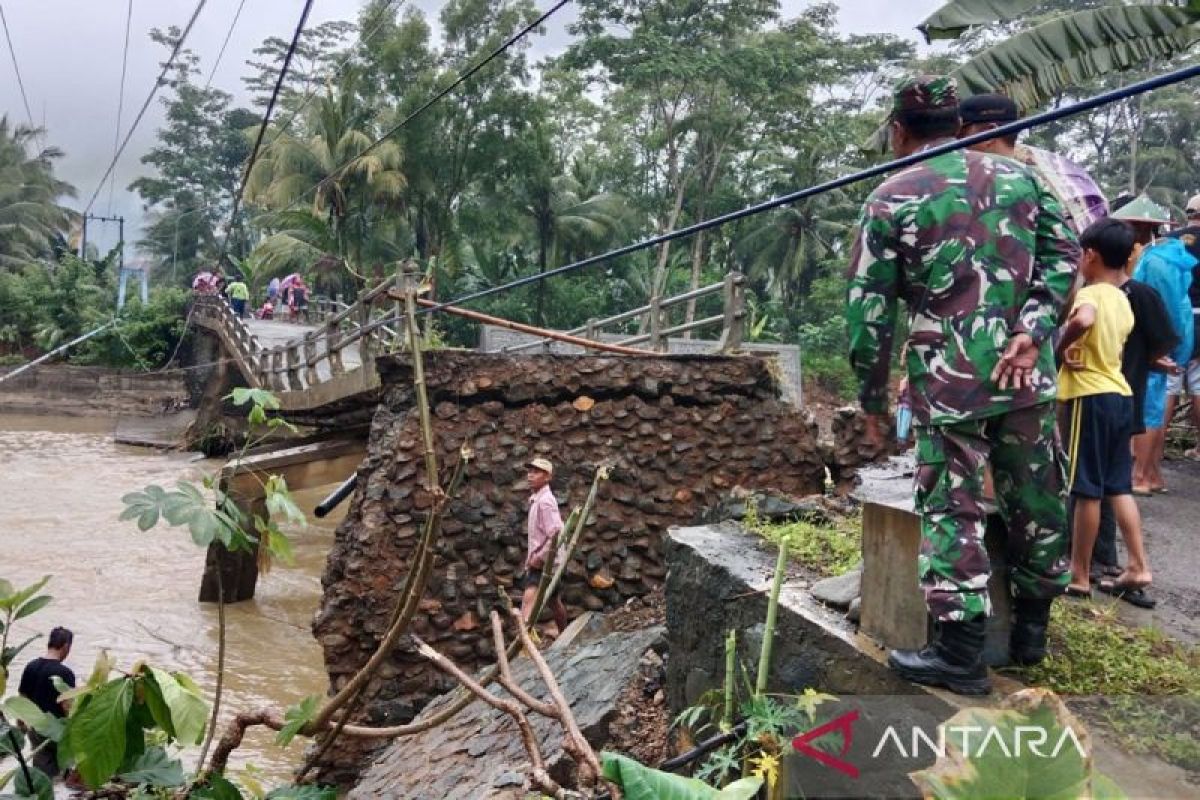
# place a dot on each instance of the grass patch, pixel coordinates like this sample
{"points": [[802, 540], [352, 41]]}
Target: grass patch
{"points": [[1138, 684], [827, 550]]}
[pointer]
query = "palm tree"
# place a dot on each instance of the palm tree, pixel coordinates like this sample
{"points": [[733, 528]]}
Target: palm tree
{"points": [[1067, 47], [783, 252], [31, 220], [352, 223], [565, 219]]}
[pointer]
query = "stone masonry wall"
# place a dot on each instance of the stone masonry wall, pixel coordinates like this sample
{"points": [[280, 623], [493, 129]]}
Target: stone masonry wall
{"points": [[678, 430]]}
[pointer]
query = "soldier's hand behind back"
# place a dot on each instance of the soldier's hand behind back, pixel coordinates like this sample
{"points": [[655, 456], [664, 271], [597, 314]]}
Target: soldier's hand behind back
{"points": [[1015, 369]]}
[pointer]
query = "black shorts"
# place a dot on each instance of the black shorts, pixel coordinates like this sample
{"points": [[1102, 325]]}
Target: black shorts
{"points": [[533, 578], [1100, 464]]}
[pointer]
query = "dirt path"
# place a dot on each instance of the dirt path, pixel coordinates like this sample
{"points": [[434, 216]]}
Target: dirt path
{"points": [[1172, 527]]}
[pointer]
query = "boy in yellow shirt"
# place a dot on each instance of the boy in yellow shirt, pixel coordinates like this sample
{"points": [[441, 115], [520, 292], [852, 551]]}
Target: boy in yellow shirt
{"points": [[1099, 405]]}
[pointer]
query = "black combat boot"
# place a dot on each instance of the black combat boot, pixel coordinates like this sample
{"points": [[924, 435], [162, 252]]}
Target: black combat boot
{"points": [[954, 660], [1027, 641]]}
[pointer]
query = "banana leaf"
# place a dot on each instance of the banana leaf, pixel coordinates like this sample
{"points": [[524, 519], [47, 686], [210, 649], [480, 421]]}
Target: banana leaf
{"points": [[1076, 48], [952, 19]]}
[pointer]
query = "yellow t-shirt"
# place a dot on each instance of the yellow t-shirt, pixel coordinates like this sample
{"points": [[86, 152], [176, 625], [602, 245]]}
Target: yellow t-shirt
{"points": [[1101, 346]]}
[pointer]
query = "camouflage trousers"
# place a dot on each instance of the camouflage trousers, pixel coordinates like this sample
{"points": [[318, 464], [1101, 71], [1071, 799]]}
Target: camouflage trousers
{"points": [[1027, 471]]}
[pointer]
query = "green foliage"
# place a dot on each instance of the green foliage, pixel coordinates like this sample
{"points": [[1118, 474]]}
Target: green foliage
{"points": [[112, 721], [146, 336], [33, 222], [638, 782], [296, 718], [96, 735], [208, 517], [825, 550], [17, 604], [37, 785], [1144, 684], [965, 773], [155, 768]]}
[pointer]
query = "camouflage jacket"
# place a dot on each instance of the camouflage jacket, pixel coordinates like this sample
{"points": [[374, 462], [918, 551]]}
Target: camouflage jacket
{"points": [[990, 243]]}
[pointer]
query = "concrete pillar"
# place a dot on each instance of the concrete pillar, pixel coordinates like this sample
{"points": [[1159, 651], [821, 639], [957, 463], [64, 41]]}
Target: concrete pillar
{"points": [[238, 570], [893, 607]]}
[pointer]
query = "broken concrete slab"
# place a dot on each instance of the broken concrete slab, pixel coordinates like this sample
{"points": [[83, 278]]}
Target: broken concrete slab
{"points": [[840, 590], [478, 754]]}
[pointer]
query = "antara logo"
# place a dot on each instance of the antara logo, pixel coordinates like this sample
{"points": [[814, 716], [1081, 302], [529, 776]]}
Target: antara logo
{"points": [[973, 741], [976, 741]]}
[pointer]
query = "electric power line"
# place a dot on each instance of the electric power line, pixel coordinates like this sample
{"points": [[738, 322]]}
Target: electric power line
{"points": [[311, 93], [262, 128], [461, 79], [16, 68], [162, 76], [121, 98], [1012, 128], [221, 53]]}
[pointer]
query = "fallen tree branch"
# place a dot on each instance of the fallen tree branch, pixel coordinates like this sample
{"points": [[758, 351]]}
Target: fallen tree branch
{"points": [[576, 744], [539, 778], [506, 678], [231, 739]]}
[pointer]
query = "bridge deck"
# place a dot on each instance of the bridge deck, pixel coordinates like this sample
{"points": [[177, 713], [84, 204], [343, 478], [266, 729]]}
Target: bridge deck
{"points": [[274, 333]]}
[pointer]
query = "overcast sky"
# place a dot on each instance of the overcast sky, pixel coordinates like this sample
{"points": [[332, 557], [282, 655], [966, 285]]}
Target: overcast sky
{"points": [[69, 52]]}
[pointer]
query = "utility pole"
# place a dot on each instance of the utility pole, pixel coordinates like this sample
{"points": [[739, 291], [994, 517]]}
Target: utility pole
{"points": [[122, 272], [120, 234]]}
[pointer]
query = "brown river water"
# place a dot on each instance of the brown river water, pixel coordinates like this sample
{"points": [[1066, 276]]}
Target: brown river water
{"points": [[134, 594]]}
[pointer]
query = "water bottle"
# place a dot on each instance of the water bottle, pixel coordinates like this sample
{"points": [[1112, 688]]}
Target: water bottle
{"points": [[903, 418]]}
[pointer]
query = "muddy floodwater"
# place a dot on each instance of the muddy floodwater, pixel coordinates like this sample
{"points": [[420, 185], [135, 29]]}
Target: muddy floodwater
{"points": [[134, 594]]}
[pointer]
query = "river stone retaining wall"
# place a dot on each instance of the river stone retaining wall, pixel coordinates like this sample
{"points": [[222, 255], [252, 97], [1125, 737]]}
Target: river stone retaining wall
{"points": [[679, 430], [91, 391], [478, 754]]}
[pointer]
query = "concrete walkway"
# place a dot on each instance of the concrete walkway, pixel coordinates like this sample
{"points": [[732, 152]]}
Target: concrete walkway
{"points": [[273, 333]]}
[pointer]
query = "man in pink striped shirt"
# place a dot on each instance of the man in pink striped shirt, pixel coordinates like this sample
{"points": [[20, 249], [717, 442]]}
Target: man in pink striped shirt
{"points": [[544, 525]]}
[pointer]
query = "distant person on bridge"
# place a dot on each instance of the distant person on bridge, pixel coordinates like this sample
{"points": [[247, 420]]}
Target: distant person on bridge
{"points": [[239, 295], [37, 685], [980, 253], [543, 526], [273, 291], [296, 295]]}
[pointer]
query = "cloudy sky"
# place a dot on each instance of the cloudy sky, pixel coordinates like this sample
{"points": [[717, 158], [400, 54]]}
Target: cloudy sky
{"points": [[69, 53]]}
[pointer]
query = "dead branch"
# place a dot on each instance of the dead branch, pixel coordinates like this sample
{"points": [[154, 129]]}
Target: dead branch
{"points": [[506, 678], [539, 778], [578, 747]]}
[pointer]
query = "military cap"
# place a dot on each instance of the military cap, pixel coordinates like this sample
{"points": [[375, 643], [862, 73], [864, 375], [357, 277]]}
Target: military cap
{"points": [[980, 108], [925, 93]]}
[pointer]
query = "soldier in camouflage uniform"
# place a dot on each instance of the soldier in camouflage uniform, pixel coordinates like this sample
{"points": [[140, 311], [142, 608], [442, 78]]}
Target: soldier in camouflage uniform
{"points": [[980, 254]]}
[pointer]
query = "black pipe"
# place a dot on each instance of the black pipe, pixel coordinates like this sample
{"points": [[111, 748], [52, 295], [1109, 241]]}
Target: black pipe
{"points": [[1053, 115], [336, 497], [702, 749]]}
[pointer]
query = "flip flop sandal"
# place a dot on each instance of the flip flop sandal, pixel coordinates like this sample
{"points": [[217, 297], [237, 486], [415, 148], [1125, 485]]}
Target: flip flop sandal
{"points": [[1134, 595], [1143, 493], [1075, 593], [1161, 490]]}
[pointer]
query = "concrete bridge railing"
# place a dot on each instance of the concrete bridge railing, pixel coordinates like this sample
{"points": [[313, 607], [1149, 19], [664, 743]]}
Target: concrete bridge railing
{"points": [[327, 363]]}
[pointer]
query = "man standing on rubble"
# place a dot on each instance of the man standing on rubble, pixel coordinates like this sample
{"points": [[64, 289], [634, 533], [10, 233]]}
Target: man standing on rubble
{"points": [[980, 254], [544, 525]]}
